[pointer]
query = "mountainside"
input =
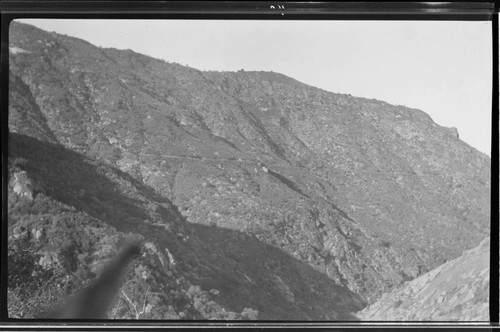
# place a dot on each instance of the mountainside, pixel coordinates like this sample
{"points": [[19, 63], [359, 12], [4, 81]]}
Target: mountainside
{"points": [[82, 209], [455, 291], [302, 203]]}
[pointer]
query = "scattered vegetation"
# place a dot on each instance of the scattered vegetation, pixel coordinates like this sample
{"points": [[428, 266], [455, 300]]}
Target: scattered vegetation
{"points": [[113, 141]]}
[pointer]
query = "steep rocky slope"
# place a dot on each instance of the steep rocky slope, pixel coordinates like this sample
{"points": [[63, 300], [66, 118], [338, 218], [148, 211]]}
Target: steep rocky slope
{"points": [[455, 291], [70, 214], [364, 193]]}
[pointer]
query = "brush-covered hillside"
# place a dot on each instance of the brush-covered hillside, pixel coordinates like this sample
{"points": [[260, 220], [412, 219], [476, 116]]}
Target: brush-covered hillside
{"points": [[455, 291], [255, 195]]}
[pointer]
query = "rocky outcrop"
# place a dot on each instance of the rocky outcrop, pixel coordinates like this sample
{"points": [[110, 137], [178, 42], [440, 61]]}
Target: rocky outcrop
{"points": [[22, 185], [454, 132]]}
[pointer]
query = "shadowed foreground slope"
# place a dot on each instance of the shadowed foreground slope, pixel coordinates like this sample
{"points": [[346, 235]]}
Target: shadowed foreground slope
{"points": [[82, 209]]}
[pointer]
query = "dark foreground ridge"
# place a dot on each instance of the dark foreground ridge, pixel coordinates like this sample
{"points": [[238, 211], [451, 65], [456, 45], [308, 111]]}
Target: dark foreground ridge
{"points": [[197, 271]]}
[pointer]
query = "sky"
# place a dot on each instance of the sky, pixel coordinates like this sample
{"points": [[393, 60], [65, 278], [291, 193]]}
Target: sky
{"points": [[443, 68]]}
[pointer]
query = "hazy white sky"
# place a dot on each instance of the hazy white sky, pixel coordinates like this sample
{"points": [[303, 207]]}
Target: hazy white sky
{"points": [[443, 68]]}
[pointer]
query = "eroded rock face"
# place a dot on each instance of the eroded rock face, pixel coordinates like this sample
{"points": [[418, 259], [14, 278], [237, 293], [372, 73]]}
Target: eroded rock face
{"points": [[365, 194], [22, 185], [455, 291], [454, 132]]}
